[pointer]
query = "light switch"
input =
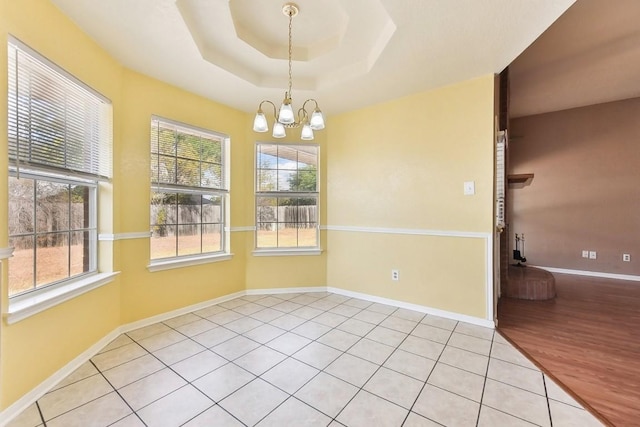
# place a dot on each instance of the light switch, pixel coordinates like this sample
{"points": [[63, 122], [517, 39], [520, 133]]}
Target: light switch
{"points": [[469, 188]]}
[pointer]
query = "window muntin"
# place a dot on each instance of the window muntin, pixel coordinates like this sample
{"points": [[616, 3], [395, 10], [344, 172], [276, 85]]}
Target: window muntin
{"points": [[286, 196], [189, 190], [52, 230], [59, 145]]}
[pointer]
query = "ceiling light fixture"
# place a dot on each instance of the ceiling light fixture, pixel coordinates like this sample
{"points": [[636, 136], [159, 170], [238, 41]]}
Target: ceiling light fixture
{"points": [[286, 118]]}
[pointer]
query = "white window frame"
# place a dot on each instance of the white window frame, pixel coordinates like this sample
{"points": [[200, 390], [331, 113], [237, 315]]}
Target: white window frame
{"points": [[177, 261], [286, 250], [22, 165]]}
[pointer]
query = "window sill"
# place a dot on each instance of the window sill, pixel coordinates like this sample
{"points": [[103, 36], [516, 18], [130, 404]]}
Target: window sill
{"points": [[286, 252], [28, 305], [168, 264]]}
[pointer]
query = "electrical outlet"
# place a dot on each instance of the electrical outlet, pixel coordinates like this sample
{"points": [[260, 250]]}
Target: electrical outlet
{"points": [[395, 275], [626, 257], [585, 254], [592, 255], [469, 188]]}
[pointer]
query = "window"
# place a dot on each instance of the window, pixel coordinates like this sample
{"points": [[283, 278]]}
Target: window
{"points": [[59, 134], [286, 196], [189, 190]]}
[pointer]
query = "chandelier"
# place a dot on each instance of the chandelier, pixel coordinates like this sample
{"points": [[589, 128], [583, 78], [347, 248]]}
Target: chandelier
{"points": [[285, 118]]}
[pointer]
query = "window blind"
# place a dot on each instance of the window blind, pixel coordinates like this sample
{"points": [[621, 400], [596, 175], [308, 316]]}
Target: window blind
{"points": [[500, 177], [186, 158], [55, 122]]}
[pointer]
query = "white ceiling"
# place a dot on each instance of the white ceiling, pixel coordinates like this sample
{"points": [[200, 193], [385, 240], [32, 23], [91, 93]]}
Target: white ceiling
{"points": [[590, 55], [347, 53]]}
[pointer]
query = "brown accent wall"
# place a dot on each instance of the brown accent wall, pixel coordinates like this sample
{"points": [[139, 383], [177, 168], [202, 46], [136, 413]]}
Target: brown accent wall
{"points": [[586, 191]]}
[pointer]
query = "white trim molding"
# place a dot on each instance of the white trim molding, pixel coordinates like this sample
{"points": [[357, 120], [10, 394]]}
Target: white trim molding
{"points": [[27, 305], [410, 231], [237, 229], [179, 262], [6, 253], [590, 273], [286, 252], [124, 236]]}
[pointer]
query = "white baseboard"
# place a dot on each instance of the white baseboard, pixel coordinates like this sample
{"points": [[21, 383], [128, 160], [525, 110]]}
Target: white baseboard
{"points": [[32, 396], [286, 290], [415, 307], [590, 273]]}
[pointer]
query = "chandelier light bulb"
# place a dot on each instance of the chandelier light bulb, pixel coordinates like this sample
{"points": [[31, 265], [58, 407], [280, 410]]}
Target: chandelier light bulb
{"points": [[317, 120], [286, 112], [278, 130], [260, 122], [307, 132]]}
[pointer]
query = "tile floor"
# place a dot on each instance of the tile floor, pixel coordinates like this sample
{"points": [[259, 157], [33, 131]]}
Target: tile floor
{"points": [[312, 359]]}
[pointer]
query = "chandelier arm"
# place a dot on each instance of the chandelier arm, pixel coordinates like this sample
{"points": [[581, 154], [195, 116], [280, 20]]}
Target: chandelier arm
{"points": [[275, 115], [304, 106]]}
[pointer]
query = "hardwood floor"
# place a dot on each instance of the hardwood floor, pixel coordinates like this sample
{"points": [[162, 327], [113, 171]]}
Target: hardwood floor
{"points": [[588, 338]]}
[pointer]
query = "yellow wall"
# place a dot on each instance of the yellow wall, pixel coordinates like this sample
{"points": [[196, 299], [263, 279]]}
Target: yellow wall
{"points": [[402, 165], [35, 348], [397, 165]]}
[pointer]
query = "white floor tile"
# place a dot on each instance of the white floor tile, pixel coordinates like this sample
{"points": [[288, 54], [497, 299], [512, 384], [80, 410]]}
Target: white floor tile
{"points": [[197, 327], [446, 408], [99, 412], [235, 347], [469, 343], [431, 333], [394, 387], [415, 420], [422, 347], [132, 371], [386, 336], [290, 375], [161, 340], [311, 330], [366, 410], [223, 381], [179, 351], [196, 366], [118, 356], [288, 343], [517, 402], [564, 415], [150, 388], [457, 381], [516, 375], [264, 333], [463, 359], [352, 369], [72, 396], [214, 416], [317, 355], [214, 336], [254, 401], [475, 331], [327, 394], [410, 364], [490, 417], [176, 408], [84, 371], [338, 339], [260, 360], [371, 350], [293, 412]]}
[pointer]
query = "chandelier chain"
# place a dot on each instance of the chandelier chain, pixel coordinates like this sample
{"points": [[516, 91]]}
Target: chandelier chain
{"points": [[290, 50]]}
